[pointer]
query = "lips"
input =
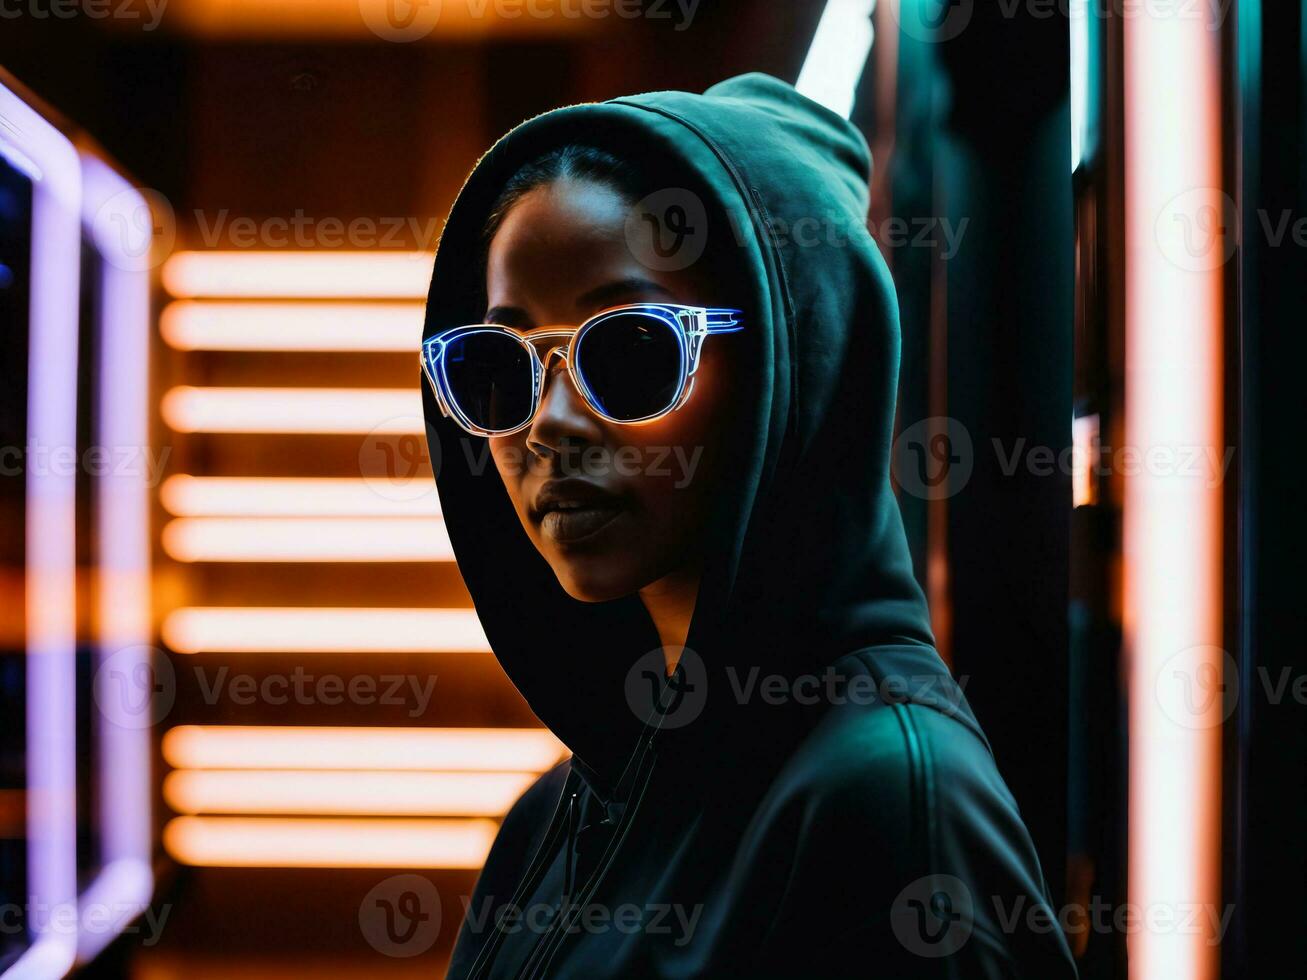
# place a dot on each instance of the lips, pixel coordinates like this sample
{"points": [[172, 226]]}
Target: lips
{"points": [[570, 511]]}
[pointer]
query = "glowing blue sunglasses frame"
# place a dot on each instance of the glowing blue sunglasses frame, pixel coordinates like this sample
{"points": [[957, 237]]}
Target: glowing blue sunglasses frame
{"points": [[689, 324]]}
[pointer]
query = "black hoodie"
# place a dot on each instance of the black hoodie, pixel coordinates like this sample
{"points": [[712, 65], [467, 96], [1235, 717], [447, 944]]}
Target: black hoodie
{"points": [[812, 796]]}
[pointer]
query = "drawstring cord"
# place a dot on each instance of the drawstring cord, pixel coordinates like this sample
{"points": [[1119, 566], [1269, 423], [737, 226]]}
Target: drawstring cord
{"points": [[571, 850]]}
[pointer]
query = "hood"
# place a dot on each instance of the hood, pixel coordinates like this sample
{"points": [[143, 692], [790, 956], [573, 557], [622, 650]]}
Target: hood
{"points": [[808, 559]]}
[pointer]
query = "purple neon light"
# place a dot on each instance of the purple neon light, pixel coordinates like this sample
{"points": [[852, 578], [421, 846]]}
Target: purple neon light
{"points": [[51, 558], [117, 218]]}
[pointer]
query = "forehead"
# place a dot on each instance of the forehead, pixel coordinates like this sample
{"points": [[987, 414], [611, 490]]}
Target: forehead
{"points": [[564, 239]]}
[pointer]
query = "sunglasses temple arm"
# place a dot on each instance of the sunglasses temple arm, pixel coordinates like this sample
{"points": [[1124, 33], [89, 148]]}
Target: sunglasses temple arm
{"points": [[722, 320]]}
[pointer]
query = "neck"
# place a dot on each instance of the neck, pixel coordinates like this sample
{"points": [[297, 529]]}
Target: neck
{"points": [[670, 602]]}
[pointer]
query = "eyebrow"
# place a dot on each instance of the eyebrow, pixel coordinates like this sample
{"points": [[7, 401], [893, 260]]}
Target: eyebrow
{"points": [[595, 299], [604, 295]]}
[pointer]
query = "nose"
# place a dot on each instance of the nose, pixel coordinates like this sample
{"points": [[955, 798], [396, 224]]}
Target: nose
{"points": [[564, 420]]}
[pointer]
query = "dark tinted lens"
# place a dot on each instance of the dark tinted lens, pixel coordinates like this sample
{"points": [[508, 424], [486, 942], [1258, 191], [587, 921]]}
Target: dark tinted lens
{"points": [[489, 377], [631, 363]]}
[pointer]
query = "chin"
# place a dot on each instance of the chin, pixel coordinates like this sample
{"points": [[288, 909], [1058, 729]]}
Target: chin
{"points": [[594, 580]]}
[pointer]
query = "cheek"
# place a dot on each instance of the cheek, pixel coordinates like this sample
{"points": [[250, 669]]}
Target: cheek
{"points": [[509, 454], [682, 454]]}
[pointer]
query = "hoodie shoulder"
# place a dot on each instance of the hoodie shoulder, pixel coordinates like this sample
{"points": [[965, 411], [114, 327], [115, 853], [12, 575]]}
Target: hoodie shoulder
{"points": [[903, 834]]}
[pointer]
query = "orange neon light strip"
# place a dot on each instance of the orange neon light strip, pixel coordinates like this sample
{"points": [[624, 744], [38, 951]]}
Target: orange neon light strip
{"points": [[511, 750], [298, 539], [292, 326], [364, 793], [325, 629], [220, 496], [305, 842], [379, 411], [312, 274], [391, 21]]}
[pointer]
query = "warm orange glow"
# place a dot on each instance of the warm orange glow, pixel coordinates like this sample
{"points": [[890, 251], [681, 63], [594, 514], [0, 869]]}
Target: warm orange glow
{"points": [[511, 750], [295, 325], [1177, 243], [377, 274], [399, 794], [381, 411], [326, 629], [297, 539], [217, 496], [390, 20], [302, 842], [1084, 473]]}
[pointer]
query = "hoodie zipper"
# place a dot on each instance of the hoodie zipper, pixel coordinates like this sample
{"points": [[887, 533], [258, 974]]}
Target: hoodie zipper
{"points": [[547, 948], [535, 870], [569, 854], [564, 819]]}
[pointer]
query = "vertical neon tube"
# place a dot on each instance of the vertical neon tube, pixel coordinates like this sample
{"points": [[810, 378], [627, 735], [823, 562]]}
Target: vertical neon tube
{"points": [[1078, 22], [51, 556], [1178, 238], [118, 220], [834, 63]]}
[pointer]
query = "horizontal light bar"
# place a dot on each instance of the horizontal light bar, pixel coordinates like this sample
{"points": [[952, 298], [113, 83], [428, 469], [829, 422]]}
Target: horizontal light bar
{"points": [[369, 20], [398, 794], [309, 274], [382, 411], [299, 842], [397, 749], [294, 539], [221, 496], [325, 629], [292, 326]]}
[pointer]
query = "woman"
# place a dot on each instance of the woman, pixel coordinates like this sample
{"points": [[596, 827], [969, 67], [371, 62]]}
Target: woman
{"points": [[663, 451]]}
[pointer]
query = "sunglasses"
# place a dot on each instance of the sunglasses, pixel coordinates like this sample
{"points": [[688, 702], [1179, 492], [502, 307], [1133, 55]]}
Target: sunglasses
{"points": [[630, 363]]}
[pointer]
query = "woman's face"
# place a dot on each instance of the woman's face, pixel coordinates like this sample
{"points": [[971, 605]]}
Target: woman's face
{"points": [[612, 508]]}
